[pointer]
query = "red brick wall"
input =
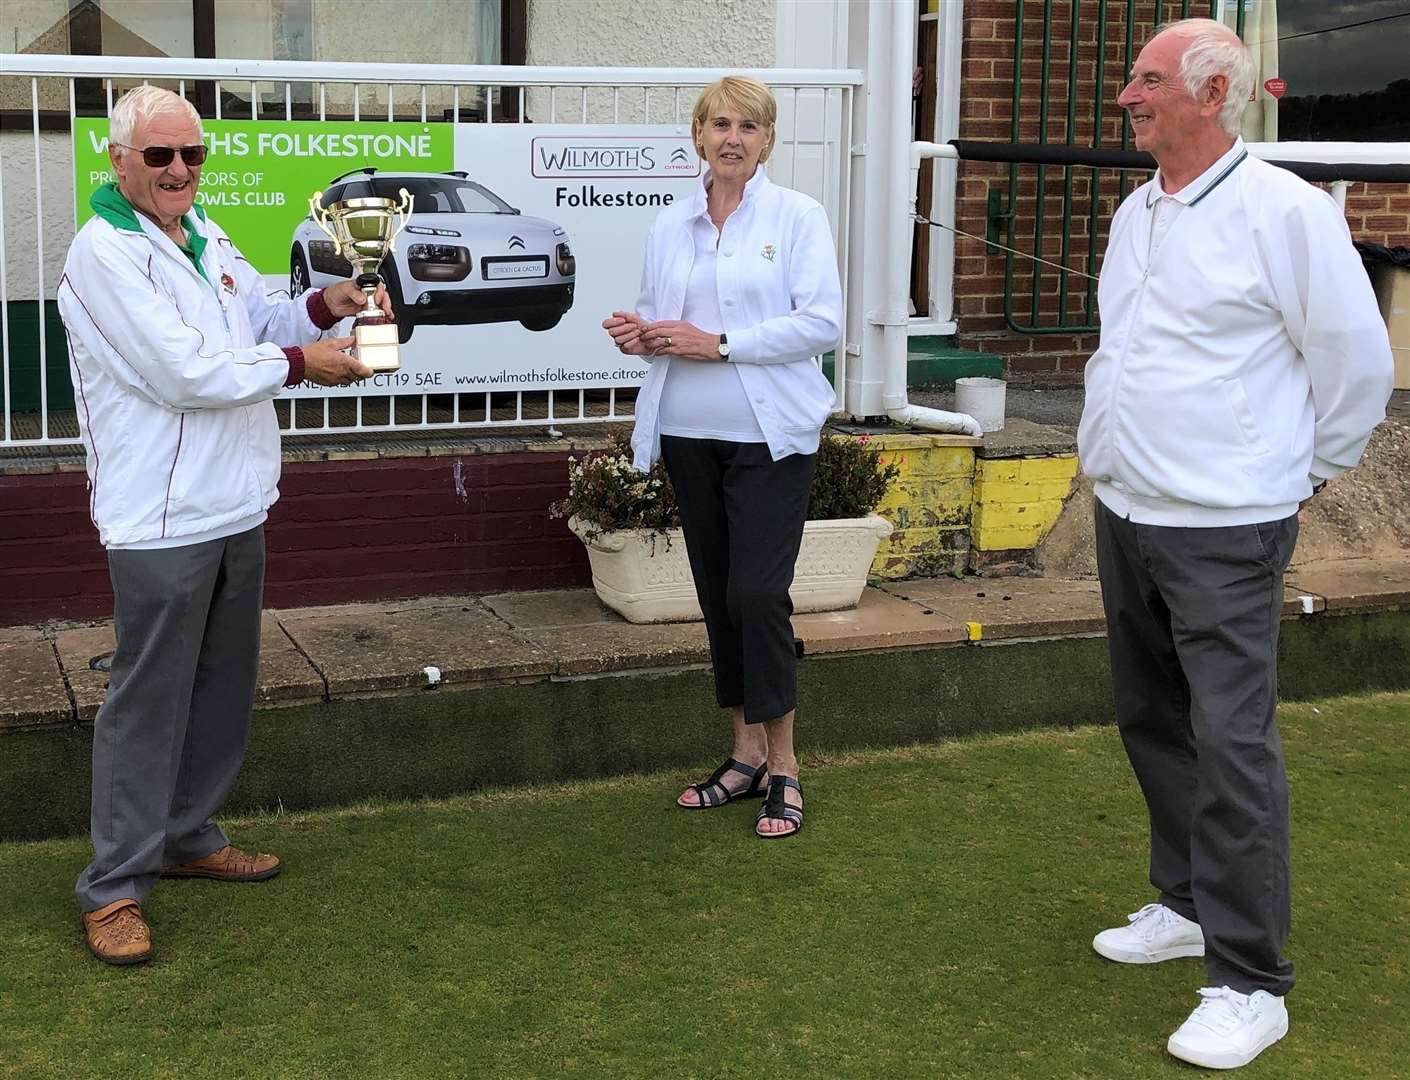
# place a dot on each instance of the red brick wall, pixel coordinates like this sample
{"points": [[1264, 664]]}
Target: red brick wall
{"points": [[1377, 213], [341, 531], [51, 564]]}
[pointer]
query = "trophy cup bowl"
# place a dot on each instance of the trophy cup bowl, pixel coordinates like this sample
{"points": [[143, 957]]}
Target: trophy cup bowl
{"points": [[364, 231]]}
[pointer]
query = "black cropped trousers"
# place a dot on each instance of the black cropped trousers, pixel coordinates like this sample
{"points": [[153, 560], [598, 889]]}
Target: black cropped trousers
{"points": [[743, 513]]}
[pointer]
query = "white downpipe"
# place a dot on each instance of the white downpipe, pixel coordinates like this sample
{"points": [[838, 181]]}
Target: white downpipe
{"points": [[951, 423], [950, 51], [904, 198], [890, 191]]}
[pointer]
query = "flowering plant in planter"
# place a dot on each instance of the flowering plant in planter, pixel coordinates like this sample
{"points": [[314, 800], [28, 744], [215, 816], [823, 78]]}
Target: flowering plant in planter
{"points": [[619, 514], [606, 494]]}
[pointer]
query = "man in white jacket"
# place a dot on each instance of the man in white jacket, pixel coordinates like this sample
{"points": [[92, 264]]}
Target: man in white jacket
{"points": [[176, 352], [1242, 365]]}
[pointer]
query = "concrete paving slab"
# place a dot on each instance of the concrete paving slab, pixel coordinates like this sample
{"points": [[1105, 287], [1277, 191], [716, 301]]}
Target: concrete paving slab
{"points": [[1023, 438], [918, 439], [1010, 607], [360, 648], [415, 603], [77, 648], [599, 648], [32, 691], [551, 607], [879, 621], [1351, 585], [285, 676]]}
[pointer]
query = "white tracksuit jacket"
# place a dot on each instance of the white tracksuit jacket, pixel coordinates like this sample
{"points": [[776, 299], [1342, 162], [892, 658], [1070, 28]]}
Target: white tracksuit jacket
{"points": [[1242, 356], [173, 375]]}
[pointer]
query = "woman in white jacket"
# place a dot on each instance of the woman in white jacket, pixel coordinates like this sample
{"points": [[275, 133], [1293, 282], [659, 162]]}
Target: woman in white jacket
{"points": [[739, 292]]}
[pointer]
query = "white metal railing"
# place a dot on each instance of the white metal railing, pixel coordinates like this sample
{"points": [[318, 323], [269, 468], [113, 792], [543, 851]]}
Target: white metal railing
{"points": [[543, 94]]}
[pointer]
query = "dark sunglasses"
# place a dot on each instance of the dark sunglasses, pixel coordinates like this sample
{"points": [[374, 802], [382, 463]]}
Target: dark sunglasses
{"points": [[159, 157]]}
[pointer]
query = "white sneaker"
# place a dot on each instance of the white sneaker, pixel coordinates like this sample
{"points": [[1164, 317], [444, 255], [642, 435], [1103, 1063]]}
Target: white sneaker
{"points": [[1156, 933], [1229, 1029]]}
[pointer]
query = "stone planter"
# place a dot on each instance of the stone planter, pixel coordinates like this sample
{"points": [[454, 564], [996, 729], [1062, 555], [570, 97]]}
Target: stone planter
{"points": [[645, 577]]}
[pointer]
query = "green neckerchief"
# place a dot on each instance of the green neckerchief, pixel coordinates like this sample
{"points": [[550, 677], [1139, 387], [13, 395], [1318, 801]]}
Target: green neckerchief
{"points": [[112, 206]]}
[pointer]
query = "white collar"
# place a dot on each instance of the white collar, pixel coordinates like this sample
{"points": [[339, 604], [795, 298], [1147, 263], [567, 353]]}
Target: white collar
{"points": [[755, 184], [1205, 182]]}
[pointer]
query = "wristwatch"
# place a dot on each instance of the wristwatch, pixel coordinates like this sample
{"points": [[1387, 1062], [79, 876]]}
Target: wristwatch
{"points": [[724, 346], [1317, 487]]}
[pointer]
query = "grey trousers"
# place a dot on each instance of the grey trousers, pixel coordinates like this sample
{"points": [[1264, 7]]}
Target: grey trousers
{"points": [[170, 737], [1192, 625]]}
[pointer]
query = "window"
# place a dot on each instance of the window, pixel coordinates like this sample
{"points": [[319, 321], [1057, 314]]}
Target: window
{"points": [[358, 189], [432, 195], [1328, 72], [423, 31], [477, 199], [132, 28]]}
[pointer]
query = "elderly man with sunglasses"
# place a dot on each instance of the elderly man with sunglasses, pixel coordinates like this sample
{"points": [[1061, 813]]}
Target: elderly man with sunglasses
{"points": [[176, 352]]}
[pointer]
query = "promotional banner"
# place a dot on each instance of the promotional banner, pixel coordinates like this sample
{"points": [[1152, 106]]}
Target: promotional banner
{"points": [[259, 175], [521, 240]]}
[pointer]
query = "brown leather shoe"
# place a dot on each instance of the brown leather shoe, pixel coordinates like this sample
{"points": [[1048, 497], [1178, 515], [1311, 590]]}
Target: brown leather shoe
{"points": [[117, 933], [227, 864]]}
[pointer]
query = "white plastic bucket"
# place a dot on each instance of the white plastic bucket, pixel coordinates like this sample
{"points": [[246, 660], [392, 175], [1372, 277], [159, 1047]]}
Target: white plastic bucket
{"points": [[983, 399]]}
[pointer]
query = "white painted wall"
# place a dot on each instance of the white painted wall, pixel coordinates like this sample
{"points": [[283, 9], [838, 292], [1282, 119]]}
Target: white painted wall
{"points": [[23, 235], [652, 33], [641, 33]]}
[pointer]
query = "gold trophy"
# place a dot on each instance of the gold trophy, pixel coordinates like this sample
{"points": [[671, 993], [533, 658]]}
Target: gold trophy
{"points": [[362, 232]]}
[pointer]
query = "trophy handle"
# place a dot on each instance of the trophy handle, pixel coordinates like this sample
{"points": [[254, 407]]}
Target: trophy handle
{"points": [[403, 211], [320, 218]]}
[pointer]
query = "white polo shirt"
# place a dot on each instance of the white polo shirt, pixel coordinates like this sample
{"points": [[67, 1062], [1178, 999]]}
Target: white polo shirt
{"points": [[780, 302], [704, 399], [1242, 355]]}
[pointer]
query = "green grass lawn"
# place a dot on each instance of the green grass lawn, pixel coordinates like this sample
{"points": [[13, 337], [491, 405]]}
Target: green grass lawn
{"points": [[933, 919]]}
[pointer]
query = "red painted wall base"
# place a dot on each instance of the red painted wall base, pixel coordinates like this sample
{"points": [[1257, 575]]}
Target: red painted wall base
{"points": [[341, 531]]}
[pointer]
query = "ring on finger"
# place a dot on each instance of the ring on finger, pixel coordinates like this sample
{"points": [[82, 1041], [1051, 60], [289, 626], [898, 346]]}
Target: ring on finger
{"points": [[668, 343]]}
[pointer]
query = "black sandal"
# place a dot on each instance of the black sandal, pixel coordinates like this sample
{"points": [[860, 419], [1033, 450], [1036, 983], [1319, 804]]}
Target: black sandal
{"points": [[706, 792], [776, 809]]}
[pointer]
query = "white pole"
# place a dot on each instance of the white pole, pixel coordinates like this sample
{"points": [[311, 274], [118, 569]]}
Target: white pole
{"points": [[877, 137], [950, 30], [888, 222], [891, 315]]}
